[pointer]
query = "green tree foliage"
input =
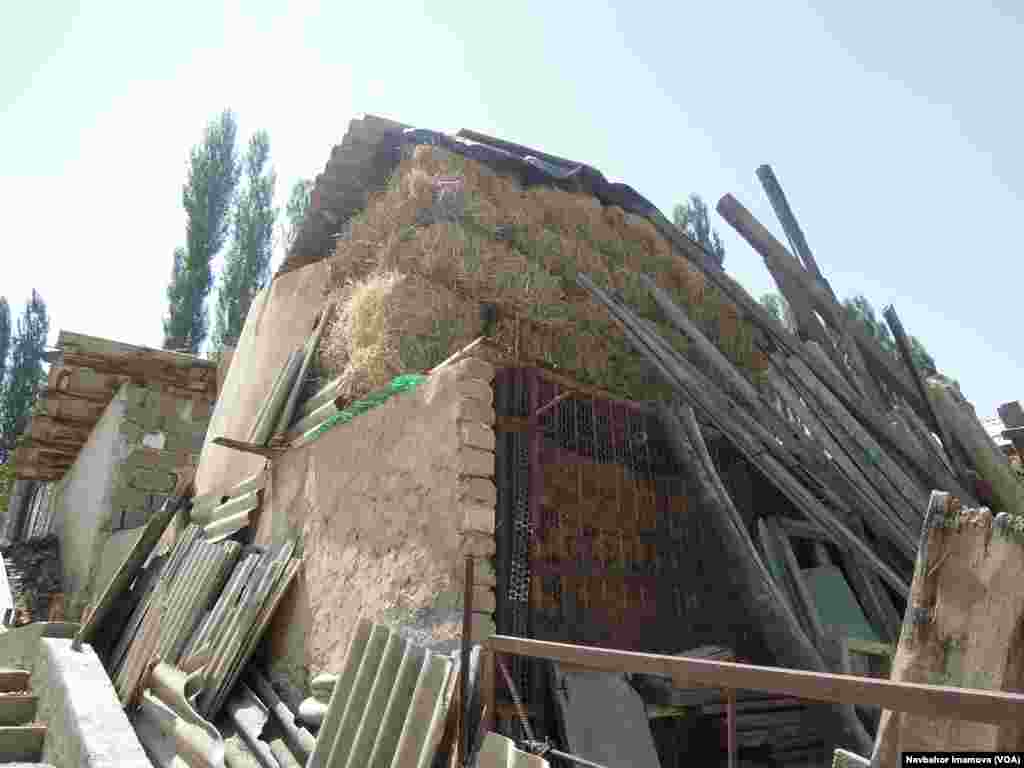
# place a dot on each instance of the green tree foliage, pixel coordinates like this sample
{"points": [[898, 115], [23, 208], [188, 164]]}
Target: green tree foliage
{"points": [[247, 267], [26, 374], [295, 210], [5, 337], [861, 310], [208, 194], [692, 218]]}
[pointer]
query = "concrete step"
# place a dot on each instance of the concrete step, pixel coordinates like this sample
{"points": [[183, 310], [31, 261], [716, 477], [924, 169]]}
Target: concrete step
{"points": [[21, 743], [17, 708]]}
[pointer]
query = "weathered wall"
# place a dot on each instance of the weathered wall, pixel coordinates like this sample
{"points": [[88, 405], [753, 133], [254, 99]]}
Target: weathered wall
{"points": [[279, 321], [388, 506], [130, 463], [82, 500]]}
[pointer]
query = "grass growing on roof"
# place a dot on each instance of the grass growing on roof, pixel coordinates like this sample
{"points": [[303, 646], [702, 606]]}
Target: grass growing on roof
{"points": [[547, 237]]}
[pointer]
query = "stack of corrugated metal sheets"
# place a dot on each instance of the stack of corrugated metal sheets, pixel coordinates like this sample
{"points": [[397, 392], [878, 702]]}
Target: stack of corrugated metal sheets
{"points": [[203, 613], [388, 707], [223, 514]]}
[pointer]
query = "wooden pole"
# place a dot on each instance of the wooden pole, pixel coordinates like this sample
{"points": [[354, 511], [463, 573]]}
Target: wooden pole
{"points": [[953, 450], [961, 704], [763, 451], [775, 254], [787, 218], [767, 607]]}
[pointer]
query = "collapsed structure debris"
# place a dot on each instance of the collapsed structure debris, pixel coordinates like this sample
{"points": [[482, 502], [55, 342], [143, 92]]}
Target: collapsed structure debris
{"points": [[33, 574], [490, 392]]}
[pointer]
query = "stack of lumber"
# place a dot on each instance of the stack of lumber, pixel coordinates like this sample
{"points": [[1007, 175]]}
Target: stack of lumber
{"points": [[854, 439]]}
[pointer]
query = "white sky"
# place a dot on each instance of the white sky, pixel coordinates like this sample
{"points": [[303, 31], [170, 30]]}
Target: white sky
{"points": [[895, 130]]}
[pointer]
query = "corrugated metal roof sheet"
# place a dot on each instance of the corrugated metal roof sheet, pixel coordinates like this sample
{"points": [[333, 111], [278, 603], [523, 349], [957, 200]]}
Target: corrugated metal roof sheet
{"points": [[388, 707]]}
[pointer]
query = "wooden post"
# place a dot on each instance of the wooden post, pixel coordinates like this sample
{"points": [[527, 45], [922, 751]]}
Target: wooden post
{"points": [[487, 691], [730, 724], [784, 637], [463, 744]]}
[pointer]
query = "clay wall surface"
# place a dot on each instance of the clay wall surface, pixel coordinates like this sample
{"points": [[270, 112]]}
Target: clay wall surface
{"points": [[387, 506]]}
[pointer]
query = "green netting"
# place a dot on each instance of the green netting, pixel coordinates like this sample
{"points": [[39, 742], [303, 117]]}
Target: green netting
{"points": [[404, 383]]}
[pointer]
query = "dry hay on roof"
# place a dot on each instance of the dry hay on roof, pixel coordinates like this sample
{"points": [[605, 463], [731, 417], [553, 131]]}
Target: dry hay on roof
{"points": [[415, 267]]}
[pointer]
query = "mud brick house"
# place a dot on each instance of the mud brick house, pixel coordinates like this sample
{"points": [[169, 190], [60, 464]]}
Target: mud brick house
{"points": [[105, 444]]}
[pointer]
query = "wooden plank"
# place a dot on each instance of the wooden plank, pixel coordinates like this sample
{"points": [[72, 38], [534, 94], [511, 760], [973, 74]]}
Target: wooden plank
{"points": [[863, 477], [990, 463], [929, 700], [915, 495], [454, 358], [239, 445], [932, 420], [784, 637], [774, 253], [799, 587], [776, 565]]}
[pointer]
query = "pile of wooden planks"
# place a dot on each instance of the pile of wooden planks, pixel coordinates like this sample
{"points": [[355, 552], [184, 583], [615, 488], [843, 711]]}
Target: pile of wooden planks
{"points": [[854, 438]]}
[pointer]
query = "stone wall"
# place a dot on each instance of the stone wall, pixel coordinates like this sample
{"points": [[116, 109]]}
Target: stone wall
{"points": [[388, 507], [130, 463]]}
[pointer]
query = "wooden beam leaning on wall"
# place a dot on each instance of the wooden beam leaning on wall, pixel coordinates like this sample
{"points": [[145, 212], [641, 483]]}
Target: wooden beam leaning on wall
{"points": [[783, 340], [783, 634], [844, 346], [777, 256]]}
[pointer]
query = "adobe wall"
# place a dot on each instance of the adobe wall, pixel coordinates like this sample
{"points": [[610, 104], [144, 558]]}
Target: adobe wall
{"points": [[131, 461], [388, 506]]}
